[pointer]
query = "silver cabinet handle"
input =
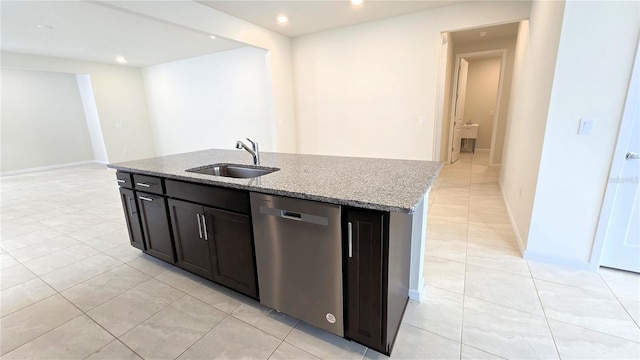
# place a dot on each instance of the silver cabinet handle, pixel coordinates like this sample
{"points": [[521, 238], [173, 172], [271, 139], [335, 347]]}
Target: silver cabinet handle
{"points": [[204, 226], [143, 184], [350, 237], [145, 198], [632, 156], [199, 225], [120, 181]]}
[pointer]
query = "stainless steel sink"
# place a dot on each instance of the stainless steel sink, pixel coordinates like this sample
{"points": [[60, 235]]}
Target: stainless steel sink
{"points": [[233, 170]]}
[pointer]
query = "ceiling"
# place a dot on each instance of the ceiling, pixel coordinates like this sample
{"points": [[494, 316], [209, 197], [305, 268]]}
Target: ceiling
{"points": [[93, 32], [492, 33], [99, 31], [308, 16]]}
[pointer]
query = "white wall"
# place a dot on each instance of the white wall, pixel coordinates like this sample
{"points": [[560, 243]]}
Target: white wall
{"points": [[210, 101], [534, 67], [508, 43], [481, 97], [594, 65], [119, 96], [203, 18], [360, 90], [43, 121]]}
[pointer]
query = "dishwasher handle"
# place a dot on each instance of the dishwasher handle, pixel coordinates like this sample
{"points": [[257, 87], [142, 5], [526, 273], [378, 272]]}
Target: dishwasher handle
{"points": [[295, 216], [290, 215]]}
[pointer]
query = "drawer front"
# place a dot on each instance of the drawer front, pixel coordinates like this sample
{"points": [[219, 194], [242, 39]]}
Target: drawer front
{"points": [[227, 199], [124, 180], [150, 184]]}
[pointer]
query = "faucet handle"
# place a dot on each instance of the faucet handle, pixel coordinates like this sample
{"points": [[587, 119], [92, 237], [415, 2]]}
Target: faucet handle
{"points": [[254, 145]]}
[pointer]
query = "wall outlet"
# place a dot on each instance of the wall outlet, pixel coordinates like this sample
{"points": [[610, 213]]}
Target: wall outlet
{"points": [[118, 125], [422, 120], [585, 127]]}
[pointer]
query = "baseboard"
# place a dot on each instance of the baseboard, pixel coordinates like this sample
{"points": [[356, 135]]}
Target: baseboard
{"points": [[415, 294], [550, 259], [44, 168], [516, 231]]}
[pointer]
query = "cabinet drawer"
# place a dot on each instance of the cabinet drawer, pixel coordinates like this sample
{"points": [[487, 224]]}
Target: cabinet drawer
{"points": [[150, 184], [124, 180], [227, 199]]}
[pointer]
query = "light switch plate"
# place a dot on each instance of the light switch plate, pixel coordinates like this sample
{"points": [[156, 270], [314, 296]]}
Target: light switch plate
{"points": [[586, 126]]}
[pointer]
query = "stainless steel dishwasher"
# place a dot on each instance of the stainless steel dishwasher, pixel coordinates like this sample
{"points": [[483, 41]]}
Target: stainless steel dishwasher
{"points": [[299, 259]]}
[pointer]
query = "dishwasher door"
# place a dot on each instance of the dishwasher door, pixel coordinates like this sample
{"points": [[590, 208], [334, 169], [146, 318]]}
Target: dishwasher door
{"points": [[299, 259]]}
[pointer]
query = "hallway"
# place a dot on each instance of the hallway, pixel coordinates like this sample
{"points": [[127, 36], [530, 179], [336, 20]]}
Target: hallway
{"points": [[482, 294]]}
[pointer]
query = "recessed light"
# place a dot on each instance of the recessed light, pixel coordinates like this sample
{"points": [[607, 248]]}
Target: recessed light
{"points": [[212, 36], [44, 27], [483, 33], [356, 2], [282, 19], [121, 59]]}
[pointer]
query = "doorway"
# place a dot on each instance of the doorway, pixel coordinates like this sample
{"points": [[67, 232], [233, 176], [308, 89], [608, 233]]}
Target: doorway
{"points": [[490, 50], [475, 101]]}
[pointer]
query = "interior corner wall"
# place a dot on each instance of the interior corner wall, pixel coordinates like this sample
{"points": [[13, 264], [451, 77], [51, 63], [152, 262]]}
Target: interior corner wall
{"points": [[93, 118], [361, 90], [593, 70], [223, 98], [534, 68], [481, 97], [43, 122], [508, 43], [193, 15], [119, 96]]}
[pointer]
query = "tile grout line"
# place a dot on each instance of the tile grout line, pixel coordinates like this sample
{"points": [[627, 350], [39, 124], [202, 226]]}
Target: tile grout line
{"points": [[618, 298], [546, 319], [466, 254]]}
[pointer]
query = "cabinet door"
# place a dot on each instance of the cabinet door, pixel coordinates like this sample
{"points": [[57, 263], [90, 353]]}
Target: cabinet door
{"points": [[192, 245], [132, 217], [155, 226], [364, 279], [232, 254]]}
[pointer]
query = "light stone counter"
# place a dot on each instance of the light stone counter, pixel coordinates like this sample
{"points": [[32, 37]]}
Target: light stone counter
{"points": [[379, 184]]}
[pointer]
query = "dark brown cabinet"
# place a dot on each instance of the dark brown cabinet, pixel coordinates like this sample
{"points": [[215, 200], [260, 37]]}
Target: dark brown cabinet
{"points": [[210, 242], [191, 238], [364, 277], [232, 253], [377, 245], [155, 226], [132, 217]]}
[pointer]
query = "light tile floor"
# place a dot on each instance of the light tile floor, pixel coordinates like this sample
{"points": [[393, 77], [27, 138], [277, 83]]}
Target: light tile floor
{"points": [[73, 288]]}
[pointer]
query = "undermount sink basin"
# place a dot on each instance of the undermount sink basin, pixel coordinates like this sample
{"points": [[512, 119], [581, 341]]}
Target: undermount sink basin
{"points": [[233, 170]]}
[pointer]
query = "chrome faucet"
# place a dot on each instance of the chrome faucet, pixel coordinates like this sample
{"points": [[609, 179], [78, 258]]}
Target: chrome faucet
{"points": [[253, 150]]}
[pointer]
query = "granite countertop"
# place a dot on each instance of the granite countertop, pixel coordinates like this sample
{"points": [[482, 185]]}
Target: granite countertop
{"points": [[379, 184]]}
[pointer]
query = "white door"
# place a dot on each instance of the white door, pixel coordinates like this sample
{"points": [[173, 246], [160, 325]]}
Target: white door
{"points": [[622, 221], [458, 112]]}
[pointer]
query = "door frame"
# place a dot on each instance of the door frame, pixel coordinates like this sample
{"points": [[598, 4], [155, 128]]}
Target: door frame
{"points": [[632, 104], [437, 139], [502, 54]]}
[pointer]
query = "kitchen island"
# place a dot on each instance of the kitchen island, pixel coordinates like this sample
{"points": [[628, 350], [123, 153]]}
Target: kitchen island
{"points": [[381, 227]]}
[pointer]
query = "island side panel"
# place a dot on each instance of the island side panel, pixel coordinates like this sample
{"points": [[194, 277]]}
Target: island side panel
{"points": [[418, 238], [399, 253]]}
